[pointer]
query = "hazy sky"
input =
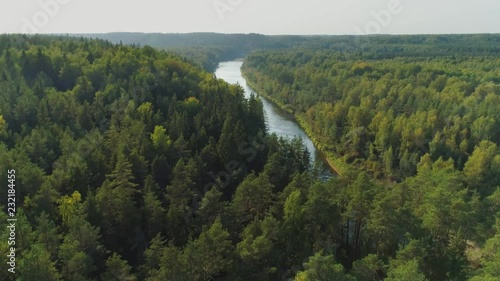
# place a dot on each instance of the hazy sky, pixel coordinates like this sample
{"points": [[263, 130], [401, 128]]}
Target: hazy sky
{"points": [[245, 16]]}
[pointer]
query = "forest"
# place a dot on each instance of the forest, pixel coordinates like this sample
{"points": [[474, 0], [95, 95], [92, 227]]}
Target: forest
{"points": [[423, 128], [135, 163], [208, 49], [132, 164]]}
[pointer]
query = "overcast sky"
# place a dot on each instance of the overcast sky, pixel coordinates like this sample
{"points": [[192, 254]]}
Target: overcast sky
{"points": [[245, 16]]}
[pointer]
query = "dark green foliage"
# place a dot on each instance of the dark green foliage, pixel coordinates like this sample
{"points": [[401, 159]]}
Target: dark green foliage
{"points": [[129, 165], [117, 270], [323, 268], [387, 113], [37, 265], [421, 117]]}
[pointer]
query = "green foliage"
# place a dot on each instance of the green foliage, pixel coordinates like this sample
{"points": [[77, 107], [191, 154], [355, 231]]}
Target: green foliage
{"points": [[407, 272], [160, 139], [172, 266], [36, 264], [424, 126], [210, 254], [490, 258], [252, 198], [257, 241], [383, 112], [47, 233], [323, 268], [76, 264], [369, 268], [128, 165], [154, 214], [3, 127], [87, 122], [117, 270], [481, 168]]}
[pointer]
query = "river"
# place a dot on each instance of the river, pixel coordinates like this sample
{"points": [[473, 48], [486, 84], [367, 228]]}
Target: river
{"points": [[277, 120]]}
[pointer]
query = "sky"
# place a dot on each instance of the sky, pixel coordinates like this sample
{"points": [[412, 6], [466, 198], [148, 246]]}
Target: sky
{"points": [[251, 16]]}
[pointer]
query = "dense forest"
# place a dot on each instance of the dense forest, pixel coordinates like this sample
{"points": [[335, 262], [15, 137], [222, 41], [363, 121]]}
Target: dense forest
{"points": [[133, 163], [203, 49], [208, 49], [424, 128]]}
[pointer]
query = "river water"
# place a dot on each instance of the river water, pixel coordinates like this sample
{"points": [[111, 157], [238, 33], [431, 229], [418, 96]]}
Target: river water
{"points": [[277, 120]]}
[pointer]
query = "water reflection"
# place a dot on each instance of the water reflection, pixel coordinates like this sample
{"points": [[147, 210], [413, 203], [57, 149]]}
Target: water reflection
{"points": [[276, 120]]}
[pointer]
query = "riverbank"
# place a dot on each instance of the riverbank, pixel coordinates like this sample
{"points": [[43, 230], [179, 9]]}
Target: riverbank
{"points": [[336, 165]]}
